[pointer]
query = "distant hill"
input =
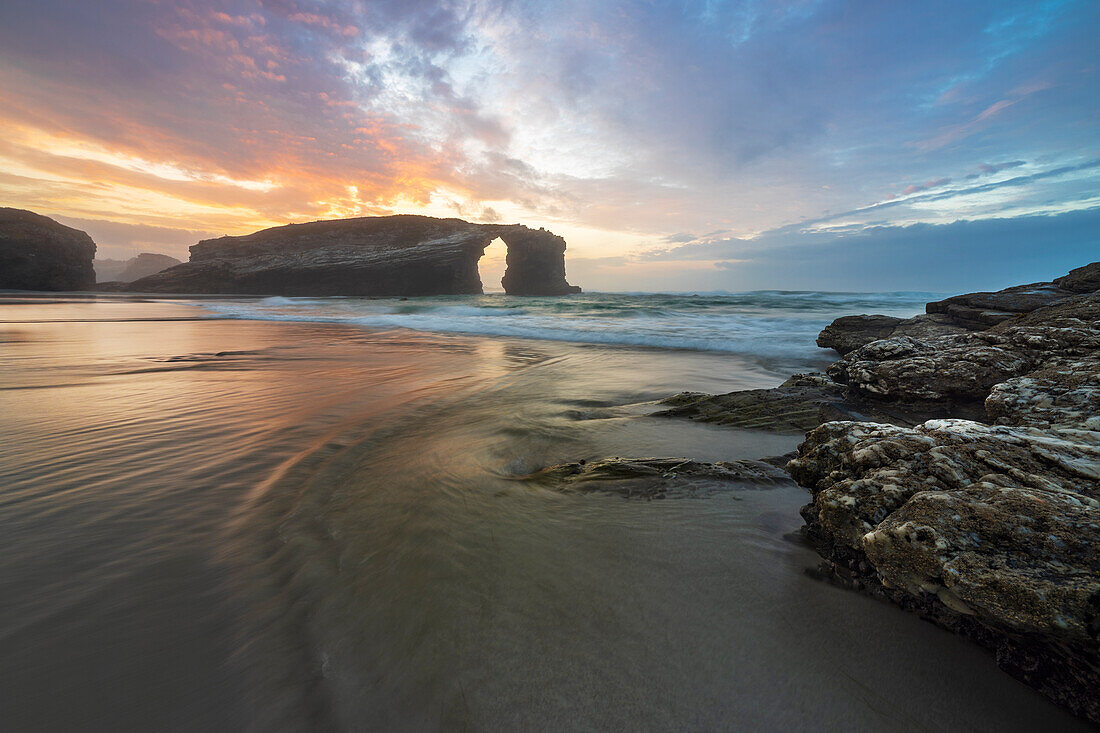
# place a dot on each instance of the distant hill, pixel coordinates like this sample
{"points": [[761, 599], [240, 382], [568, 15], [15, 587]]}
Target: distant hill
{"points": [[135, 268]]}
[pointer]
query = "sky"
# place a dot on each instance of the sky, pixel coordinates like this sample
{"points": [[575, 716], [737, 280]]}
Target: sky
{"points": [[710, 145]]}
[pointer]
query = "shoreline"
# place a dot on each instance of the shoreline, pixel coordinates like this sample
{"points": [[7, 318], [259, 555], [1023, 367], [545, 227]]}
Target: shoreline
{"points": [[252, 396]]}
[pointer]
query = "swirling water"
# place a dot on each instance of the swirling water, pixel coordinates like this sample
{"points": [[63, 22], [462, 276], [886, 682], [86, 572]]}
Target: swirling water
{"points": [[212, 521]]}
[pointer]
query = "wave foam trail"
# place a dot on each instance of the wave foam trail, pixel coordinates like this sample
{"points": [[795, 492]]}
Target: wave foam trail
{"points": [[768, 324]]}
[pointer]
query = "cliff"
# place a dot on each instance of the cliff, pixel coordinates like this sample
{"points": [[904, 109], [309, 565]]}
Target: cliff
{"points": [[37, 253], [400, 255]]}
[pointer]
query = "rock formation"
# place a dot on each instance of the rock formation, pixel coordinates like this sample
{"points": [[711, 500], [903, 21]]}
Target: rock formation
{"points": [[798, 405], [960, 313], [135, 268], [989, 526], [658, 478], [383, 256], [848, 333], [37, 253]]}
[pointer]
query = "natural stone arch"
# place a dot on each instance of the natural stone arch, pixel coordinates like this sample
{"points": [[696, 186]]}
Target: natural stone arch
{"points": [[402, 255], [535, 262]]}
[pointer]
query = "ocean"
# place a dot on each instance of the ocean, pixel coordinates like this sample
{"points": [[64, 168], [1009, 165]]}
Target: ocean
{"points": [[767, 324], [299, 514]]}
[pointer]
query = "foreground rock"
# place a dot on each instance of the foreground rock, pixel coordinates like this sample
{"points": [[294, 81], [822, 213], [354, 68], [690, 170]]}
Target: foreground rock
{"points": [[989, 526], [657, 478], [992, 531], [135, 268], [38, 253], [384, 256]]}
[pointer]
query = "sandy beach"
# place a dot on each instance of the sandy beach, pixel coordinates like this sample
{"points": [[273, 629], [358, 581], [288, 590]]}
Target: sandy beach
{"points": [[223, 524]]}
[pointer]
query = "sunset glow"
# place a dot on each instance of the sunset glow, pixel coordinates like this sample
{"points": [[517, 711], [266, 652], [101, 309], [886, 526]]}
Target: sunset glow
{"points": [[634, 129]]}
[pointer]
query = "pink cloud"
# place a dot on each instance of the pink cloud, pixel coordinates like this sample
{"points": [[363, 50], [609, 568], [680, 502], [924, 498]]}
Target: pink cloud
{"points": [[916, 187], [325, 22]]}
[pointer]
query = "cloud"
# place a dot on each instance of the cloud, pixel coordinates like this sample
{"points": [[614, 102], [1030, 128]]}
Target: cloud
{"points": [[635, 118], [917, 187], [983, 254]]}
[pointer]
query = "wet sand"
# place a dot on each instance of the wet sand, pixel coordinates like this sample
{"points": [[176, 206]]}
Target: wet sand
{"points": [[224, 525]]}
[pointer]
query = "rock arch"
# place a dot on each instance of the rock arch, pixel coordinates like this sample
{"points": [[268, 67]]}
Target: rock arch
{"points": [[535, 263], [400, 255]]}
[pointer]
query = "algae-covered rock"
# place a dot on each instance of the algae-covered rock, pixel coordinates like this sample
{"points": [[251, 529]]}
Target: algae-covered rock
{"points": [[657, 478]]}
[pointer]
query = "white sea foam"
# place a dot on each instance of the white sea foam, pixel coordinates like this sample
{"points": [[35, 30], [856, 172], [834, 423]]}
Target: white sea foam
{"points": [[768, 324]]}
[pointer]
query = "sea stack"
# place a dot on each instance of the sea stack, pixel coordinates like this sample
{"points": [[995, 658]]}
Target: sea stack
{"points": [[400, 255], [38, 253]]}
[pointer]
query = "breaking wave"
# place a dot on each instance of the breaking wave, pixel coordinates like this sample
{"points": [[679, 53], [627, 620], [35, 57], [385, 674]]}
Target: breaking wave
{"points": [[769, 324]]}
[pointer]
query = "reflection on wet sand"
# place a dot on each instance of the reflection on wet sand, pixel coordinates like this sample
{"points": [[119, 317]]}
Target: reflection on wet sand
{"points": [[223, 525]]}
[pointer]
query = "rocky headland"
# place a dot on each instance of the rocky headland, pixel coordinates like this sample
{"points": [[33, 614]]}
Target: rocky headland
{"points": [[400, 255], [38, 253], [953, 464]]}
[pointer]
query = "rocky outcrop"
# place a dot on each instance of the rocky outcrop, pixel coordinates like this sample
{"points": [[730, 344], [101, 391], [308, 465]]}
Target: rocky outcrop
{"points": [[370, 256], [135, 268], [989, 529], [1065, 392], [992, 531], [848, 333], [798, 405], [657, 478], [38, 253], [989, 526], [535, 263], [962, 369], [978, 311], [1081, 280], [947, 370], [960, 313]]}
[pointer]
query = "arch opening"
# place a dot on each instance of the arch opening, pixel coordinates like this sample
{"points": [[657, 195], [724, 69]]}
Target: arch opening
{"points": [[491, 266]]}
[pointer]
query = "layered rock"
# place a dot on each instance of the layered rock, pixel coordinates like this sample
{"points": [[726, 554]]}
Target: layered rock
{"points": [[535, 263], [798, 405], [1084, 279], [38, 253], [657, 478], [963, 368], [135, 268], [848, 333], [960, 313], [370, 256], [978, 311]]}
